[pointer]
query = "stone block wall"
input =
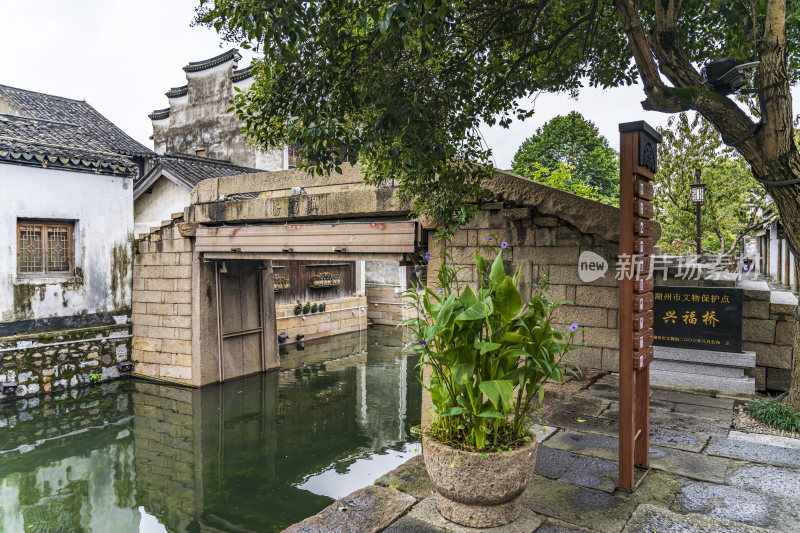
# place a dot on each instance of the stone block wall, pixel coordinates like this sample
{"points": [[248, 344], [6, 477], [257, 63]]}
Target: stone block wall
{"points": [[547, 248], [50, 362], [162, 304], [385, 304], [340, 316], [768, 329]]}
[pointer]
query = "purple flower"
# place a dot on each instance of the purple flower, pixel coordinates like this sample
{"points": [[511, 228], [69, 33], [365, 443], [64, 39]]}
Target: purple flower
{"points": [[490, 239], [440, 291], [422, 343], [504, 245], [573, 326], [427, 256]]}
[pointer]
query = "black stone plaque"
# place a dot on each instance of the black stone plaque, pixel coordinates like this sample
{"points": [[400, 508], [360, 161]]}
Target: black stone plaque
{"points": [[698, 318]]}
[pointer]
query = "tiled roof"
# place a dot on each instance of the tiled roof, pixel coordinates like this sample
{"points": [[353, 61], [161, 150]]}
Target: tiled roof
{"points": [[57, 145], [177, 91], [242, 74], [77, 113], [192, 170], [195, 66], [159, 114]]}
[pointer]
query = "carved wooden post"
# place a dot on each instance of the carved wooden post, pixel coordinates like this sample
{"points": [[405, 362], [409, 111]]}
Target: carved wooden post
{"points": [[637, 165]]}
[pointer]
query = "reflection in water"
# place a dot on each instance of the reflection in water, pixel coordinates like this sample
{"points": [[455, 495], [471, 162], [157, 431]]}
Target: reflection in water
{"points": [[255, 454]]}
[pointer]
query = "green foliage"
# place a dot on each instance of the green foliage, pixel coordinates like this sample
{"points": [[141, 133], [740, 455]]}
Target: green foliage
{"points": [[489, 354], [94, 378], [735, 203], [572, 142], [774, 414], [562, 178], [407, 84]]}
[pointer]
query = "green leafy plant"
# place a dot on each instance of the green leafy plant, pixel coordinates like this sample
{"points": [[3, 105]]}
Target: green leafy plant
{"points": [[94, 378], [489, 354], [314, 308], [307, 308], [774, 414], [298, 309]]}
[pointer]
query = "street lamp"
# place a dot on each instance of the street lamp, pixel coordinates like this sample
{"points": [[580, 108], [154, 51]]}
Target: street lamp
{"points": [[698, 199]]}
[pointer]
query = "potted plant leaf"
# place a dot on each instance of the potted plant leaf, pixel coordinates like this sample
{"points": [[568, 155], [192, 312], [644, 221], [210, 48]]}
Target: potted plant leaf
{"points": [[298, 309], [322, 307], [307, 308], [314, 307], [489, 354]]}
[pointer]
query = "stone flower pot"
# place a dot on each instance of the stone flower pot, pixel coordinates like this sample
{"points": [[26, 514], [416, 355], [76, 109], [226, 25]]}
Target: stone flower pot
{"points": [[477, 491]]}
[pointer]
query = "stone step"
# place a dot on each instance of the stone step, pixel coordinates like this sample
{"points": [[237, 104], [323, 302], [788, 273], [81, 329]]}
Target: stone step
{"points": [[705, 357], [742, 386], [691, 368]]}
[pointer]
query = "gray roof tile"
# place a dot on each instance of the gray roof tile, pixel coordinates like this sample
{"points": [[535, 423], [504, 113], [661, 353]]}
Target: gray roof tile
{"points": [[192, 170], [97, 131]]}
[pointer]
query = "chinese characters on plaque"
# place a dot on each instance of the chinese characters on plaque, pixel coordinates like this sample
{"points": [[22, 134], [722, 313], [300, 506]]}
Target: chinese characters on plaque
{"points": [[699, 318]]}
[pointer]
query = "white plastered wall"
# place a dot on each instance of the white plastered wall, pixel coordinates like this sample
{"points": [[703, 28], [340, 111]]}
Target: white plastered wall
{"points": [[101, 207], [150, 208]]}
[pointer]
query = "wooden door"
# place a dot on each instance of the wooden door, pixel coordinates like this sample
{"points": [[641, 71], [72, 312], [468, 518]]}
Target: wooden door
{"points": [[240, 319]]}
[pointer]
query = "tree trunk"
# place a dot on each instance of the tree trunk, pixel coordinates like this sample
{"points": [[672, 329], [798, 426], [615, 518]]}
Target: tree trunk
{"points": [[769, 148], [794, 387]]}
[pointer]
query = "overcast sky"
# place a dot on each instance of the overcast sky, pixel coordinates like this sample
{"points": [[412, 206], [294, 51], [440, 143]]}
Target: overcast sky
{"points": [[121, 56]]}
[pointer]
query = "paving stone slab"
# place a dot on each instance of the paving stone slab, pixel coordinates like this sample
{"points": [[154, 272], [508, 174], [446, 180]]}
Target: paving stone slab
{"points": [[754, 452], [732, 386], [593, 509], [679, 421], [740, 505], [425, 518], [367, 510], [649, 519], [767, 479], [581, 403], [590, 508], [579, 470], [410, 477], [557, 526], [679, 462], [694, 368], [771, 440], [676, 438], [543, 432], [724, 416]]}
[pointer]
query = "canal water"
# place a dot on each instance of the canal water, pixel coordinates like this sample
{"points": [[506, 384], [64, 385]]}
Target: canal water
{"points": [[256, 454]]}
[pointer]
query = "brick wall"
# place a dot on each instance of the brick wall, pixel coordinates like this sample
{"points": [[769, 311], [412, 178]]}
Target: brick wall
{"points": [[548, 248], [385, 304], [162, 304], [339, 317]]}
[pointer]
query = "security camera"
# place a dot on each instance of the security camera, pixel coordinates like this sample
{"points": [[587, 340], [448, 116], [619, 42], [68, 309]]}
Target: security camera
{"points": [[727, 75]]}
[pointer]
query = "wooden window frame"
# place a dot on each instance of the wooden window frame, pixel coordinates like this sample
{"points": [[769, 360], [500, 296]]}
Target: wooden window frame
{"points": [[44, 225]]}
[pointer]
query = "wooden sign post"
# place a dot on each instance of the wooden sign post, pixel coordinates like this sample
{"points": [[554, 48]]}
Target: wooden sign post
{"points": [[637, 166]]}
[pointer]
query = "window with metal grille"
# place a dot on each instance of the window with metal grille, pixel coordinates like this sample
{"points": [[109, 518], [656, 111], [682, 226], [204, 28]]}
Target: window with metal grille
{"points": [[44, 248]]}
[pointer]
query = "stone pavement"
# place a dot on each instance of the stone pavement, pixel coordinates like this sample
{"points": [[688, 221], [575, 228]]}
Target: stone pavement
{"points": [[705, 477]]}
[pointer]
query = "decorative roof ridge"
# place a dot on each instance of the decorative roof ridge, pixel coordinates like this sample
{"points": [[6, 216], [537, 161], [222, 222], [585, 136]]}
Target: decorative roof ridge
{"points": [[159, 114], [242, 73], [206, 160], [44, 94], [175, 92], [7, 116], [196, 66]]}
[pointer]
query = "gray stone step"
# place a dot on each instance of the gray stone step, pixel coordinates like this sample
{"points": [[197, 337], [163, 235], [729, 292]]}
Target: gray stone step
{"points": [[692, 368], [742, 386], [706, 357]]}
